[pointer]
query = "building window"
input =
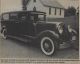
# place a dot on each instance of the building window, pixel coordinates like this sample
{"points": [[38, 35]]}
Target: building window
{"points": [[55, 11], [49, 11], [34, 9], [34, 0], [60, 11]]}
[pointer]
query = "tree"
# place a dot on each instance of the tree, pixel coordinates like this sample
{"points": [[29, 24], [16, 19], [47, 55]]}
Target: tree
{"points": [[71, 11]]}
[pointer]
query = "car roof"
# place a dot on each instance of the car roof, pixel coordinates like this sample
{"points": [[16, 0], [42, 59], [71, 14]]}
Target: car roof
{"points": [[31, 12]]}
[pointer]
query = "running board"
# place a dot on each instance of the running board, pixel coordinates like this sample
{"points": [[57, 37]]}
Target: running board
{"points": [[20, 38]]}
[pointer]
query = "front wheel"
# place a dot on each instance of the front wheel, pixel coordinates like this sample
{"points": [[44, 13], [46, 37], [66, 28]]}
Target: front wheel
{"points": [[47, 46], [48, 43]]}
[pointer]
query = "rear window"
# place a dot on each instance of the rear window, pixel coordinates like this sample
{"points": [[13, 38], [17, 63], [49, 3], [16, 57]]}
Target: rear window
{"points": [[5, 16]]}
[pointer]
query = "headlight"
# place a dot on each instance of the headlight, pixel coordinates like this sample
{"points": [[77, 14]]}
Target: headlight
{"points": [[69, 28], [60, 28]]}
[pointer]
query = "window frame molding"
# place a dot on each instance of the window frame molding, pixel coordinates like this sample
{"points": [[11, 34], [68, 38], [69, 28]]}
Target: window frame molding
{"points": [[60, 11], [49, 10]]}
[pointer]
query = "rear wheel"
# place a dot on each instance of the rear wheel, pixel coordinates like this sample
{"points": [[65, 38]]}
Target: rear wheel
{"points": [[4, 34]]}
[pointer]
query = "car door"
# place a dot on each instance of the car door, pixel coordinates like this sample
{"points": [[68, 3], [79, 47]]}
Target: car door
{"points": [[14, 24], [27, 27]]}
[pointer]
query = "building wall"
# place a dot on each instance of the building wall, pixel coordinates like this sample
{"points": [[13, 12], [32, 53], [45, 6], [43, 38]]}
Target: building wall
{"points": [[40, 7]]}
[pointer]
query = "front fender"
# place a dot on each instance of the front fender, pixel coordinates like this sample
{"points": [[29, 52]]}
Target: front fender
{"points": [[51, 32]]}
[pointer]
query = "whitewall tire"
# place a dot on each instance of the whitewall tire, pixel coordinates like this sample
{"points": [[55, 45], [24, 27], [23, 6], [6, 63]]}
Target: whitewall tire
{"points": [[47, 46], [4, 34]]}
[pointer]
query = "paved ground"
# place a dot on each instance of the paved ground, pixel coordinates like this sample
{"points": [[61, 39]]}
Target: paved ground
{"points": [[17, 49]]}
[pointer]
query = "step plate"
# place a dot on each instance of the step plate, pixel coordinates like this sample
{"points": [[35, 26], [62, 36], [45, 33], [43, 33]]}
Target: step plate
{"points": [[20, 38]]}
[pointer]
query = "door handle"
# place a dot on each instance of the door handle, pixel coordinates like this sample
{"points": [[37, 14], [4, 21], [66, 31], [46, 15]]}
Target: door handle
{"points": [[17, 22]]}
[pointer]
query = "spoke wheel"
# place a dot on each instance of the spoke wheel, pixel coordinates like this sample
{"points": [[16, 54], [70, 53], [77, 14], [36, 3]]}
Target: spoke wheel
{"points": [[47, 46], [4, 34]]}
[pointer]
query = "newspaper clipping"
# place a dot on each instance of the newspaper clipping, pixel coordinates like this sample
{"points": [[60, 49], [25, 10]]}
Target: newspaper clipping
{"points": [[39, 32]]}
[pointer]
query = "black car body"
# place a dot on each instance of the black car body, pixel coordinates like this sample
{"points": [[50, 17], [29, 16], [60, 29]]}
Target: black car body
{"points": [[32, 25]]}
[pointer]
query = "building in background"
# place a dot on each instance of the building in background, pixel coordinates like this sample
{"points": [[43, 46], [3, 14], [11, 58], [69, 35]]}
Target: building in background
{"points": [[52, 8]]}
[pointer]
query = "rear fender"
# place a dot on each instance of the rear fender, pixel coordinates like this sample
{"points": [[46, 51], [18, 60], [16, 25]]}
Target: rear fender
{"points": [[2, 28]]}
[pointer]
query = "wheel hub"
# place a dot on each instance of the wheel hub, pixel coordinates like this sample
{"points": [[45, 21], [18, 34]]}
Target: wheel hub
{"points": [[46, 45]]}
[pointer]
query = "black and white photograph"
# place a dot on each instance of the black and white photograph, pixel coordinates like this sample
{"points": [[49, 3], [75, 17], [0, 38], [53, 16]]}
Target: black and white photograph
{"points": [[39, 29]]}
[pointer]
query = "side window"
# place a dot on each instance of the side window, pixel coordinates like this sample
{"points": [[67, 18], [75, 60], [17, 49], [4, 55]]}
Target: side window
{"points": [[34, 17], [6, 17], [23, 16], [13, 16]]}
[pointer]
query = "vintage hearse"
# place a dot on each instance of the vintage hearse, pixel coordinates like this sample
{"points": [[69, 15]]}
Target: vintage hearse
{"points": [[32, 26]]}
